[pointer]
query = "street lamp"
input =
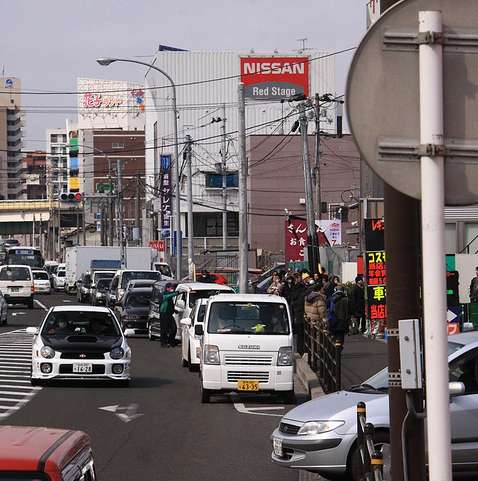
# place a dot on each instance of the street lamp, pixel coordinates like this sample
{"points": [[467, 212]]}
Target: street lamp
{"points": [[177, 207]]}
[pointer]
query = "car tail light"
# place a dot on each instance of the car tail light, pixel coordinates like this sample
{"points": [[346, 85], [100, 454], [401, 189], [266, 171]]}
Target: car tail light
{"points": [[33, 288]]}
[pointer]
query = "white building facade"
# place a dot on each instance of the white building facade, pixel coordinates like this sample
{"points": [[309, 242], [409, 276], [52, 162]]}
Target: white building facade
{"points": [[207, 93]]}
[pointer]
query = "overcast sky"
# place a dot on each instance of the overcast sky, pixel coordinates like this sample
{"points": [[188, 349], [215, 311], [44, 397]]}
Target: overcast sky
{"points": [[49, 43]]}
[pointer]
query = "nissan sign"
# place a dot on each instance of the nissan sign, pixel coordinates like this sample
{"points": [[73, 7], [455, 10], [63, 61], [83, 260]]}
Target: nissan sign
{"points": [[269, 78]]}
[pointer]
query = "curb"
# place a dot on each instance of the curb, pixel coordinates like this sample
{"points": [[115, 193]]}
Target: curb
{"points": [[307, 377]]}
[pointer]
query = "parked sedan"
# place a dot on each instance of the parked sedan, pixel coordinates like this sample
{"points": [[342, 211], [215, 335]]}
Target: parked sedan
{"points": [[80, 342], [41, 281], [99, 290], [320, 435], [133, 309]]}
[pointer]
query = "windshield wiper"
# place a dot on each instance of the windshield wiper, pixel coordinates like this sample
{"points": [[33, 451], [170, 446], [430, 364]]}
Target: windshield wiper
{"points": [[366, 387]]}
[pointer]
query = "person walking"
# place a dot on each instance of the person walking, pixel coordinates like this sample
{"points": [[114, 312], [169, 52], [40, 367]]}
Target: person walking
{"points": [[168, 326], [358, 303], [338, 315], [315, 305], [474, 288], [297, 302]]}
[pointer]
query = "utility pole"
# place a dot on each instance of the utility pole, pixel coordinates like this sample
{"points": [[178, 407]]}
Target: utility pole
{"points": [[110, 208], [78, 224], [138, 210], [309, 202], [224, 179], [188, 153], [83, 220], [243, 230], [119, 195], [317, 157], [59, 232], [403, 302]]}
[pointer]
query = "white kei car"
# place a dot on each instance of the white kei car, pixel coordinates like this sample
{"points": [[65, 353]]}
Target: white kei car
{"points": [[80, 342]]}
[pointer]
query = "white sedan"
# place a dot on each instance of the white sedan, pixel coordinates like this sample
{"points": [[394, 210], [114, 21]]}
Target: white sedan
{"points": [[80, 342], [59, 280], [41, 281]]}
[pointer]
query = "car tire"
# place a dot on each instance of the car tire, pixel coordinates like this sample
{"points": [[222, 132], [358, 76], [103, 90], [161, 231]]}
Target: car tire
{"points": [[36, 382], [31, 304], [355, 463], [192, 367], [185, 363], [205, 395], [288, 397], [123, 383]]}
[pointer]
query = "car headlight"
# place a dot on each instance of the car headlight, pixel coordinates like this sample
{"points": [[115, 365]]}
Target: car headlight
{"points": [[47, 352], [285, 356], [211, 354], [117, 353], [319, 427]]}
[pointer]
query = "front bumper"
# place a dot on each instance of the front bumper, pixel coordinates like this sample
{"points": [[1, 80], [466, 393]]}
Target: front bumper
{"points": [[139, 325], [63, 369], [325, 453], [225, 377]]}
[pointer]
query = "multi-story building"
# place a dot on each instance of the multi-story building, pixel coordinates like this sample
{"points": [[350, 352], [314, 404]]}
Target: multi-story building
{"points": [[34, 175], [10, 138], [56, 162]]}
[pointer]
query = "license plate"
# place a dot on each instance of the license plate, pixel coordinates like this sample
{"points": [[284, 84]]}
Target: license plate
{"points": [[247, 385], [277, 445], [14, 289], [82, 368]]}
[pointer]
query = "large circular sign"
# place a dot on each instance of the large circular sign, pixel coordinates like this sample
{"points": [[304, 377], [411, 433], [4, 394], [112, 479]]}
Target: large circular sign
{"points": [[383, 97]]}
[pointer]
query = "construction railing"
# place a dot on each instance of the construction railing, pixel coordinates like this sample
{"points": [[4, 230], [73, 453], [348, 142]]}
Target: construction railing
{"points": [[324, 353], [371, 458]]}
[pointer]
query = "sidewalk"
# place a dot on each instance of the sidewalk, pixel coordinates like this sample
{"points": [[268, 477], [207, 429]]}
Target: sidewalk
{"points": [[361, 358]]}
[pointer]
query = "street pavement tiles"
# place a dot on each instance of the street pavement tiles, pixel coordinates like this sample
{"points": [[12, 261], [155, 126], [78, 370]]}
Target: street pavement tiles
{"points": [[15, 364]]}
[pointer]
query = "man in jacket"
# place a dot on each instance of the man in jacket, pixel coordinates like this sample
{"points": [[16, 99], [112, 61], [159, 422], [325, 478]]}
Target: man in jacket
{"points": [[338, 315], [315, 304], [297, 303], [474, 288], [358, 303], [166, 312]]}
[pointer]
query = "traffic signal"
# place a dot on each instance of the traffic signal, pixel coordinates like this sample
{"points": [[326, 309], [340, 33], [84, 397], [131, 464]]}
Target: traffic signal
{"points": [[71, 197]]}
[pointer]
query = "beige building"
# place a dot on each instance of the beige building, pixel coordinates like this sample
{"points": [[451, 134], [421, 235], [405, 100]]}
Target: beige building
{"points": [[11, 125]]}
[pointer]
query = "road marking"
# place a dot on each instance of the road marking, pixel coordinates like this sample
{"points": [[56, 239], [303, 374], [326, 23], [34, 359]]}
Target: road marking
{"points": [[267, 408], [67, 300], [42, 305], [15, 362], [241, 408], [125, 413]]}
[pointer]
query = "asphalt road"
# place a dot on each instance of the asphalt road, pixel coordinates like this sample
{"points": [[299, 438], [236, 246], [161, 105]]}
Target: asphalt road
{"points": [[170, 436]]}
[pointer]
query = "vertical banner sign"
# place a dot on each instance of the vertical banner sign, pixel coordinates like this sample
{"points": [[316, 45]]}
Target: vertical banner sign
{"points": [[376, 274], [73, 161], [166, 192], [295, 240], [330, 232]]}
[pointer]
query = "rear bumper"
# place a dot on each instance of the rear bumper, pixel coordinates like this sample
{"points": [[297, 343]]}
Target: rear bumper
{"points": [[20, 299]]}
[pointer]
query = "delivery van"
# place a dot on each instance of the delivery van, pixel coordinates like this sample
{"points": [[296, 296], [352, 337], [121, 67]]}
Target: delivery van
{"points": [[246, 346]]}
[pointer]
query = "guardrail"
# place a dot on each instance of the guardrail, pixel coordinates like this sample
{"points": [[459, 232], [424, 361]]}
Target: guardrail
{"points": [[324, 353], [371, 459]]}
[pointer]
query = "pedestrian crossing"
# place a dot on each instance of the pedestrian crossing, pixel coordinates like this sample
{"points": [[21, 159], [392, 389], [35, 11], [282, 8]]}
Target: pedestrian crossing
{"points": [[15, 362]]}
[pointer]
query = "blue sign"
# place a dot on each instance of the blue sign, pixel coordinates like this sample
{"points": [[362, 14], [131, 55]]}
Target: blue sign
{"points": [[8, 83], [165, 163]]}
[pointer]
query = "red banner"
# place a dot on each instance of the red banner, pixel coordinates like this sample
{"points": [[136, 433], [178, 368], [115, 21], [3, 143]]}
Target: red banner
{"points": [[159, 245], [295, 240]]}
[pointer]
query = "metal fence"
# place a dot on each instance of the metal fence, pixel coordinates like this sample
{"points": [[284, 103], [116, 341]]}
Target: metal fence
{"points": [[371, 460], [324, 356]]}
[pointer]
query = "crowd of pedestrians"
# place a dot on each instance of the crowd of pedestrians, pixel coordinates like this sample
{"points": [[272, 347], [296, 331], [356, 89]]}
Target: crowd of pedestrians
{"points": [[320, 299]]}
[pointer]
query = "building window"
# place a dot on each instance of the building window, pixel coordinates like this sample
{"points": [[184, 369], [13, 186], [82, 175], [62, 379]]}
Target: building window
{"points": [[209, 224], [214, 180]]}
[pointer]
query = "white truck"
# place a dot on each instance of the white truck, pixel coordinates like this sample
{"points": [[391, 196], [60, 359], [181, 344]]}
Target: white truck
{"points": [[80, 259]]}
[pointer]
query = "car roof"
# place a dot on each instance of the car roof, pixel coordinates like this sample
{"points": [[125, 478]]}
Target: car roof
{"points": [[248, 298], [120, 271], [24, 447], [82, 308], [140, 290], [464, 338], [15, 265], [201, 286]]}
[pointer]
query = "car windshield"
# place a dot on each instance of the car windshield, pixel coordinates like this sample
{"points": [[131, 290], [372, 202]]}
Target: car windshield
{"points": [[104, 275], [379, 381], [165, 270], [203, 294], [80, 323], [103, 284], [40, 276], [61, 274], [138, 300], [248, 318], [130, 275], [15, 274]]}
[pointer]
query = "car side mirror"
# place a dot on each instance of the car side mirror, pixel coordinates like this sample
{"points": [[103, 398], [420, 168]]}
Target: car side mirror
{"points": [[32, 330], [129, 332], [199, 330], [456, 388], [186, 322]]}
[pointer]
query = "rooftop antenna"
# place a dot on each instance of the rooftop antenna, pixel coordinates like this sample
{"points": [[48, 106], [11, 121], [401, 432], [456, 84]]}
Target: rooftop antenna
{"points": [[304, 41]]}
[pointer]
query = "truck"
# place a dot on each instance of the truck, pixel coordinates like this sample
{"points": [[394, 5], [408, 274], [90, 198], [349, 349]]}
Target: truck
{"points": [[80, 259]]}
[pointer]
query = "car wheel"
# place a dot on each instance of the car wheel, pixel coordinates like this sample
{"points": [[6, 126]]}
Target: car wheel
{"points": [[185, 363], [205, 394], [381, 442], [123, 383], [288, 397], [31, 304], [36, 382], [192, 367]]}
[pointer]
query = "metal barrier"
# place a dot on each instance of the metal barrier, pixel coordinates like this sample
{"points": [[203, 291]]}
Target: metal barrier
{"points": [[371, 459], [324, 353]]}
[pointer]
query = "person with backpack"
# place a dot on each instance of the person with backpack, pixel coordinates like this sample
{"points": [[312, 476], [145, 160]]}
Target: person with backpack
{"points": [[338, 314]]}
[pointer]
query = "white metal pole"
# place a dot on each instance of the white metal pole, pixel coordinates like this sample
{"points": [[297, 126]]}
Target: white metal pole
{"points": [[190, 204], [433, 252], [224, 179], [243, 234]]}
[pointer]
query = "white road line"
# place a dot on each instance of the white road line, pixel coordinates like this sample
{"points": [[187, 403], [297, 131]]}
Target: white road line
{"points": [[14, 358], [16, 363], [42, 305], [13, 393], [8, 376], [34, 388], [239, 407], [15, 401], [268, 408], [15, 408], [15, 371]]}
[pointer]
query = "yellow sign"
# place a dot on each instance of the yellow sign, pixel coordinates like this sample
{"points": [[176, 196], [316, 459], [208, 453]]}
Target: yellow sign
{"points": [[74, 183]]}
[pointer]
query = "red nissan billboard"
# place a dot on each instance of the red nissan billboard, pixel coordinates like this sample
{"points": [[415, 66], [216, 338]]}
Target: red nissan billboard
{"points": [[269, 78]]}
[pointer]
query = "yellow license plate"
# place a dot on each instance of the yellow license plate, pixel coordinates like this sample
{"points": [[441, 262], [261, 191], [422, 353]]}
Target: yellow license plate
{"points": [[247, 385]]}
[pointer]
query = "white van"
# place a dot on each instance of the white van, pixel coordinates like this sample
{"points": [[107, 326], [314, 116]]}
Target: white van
{"points": [[246, 346], [184, 303], [16, 284]]}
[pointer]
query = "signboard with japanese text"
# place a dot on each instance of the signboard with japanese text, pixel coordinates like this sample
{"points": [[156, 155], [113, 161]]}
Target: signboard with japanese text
{"points": [[159, 245], [274, 78], [166, 192], [374, 234], [376, 280], [331, 230], [295, 240]]}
